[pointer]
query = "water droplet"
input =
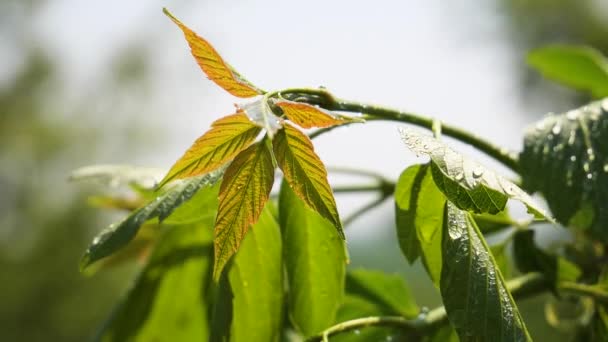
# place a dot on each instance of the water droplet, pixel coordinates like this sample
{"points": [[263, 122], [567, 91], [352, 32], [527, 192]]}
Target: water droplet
{"points": [[556, 129], [477, 172], [590, 176], [573, 158], [540, 125], [586, 167], [459, 176], [572, 115], [591, 154], [605, 105], [606, 167]]}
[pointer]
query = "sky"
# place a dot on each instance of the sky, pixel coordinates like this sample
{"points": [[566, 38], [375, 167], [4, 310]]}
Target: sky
{"points": [[440, 59]]}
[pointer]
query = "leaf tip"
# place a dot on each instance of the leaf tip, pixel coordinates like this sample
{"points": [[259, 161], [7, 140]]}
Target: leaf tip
{"points": [[85, 261]]}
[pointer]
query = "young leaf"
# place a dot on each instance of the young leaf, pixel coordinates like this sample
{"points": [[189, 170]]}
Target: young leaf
{"points": [[118, 235], [308, 116], [579, 67], [474, 294], [466, 183], [249, 303], [419, 217], [244, 192], [565, 157], [213, 65], [315, 264], [181, 263], [529, 258], [227, 137], [305, 173], [259, 112]]}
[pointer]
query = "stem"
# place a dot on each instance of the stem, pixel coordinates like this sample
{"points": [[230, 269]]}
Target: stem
{"points": [[357, 188], [328, 101], [364, 209], [522, 287], [592, 291]]}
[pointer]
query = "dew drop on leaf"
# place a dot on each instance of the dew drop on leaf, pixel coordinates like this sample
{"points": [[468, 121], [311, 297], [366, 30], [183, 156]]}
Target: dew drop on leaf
{"points": [[556, 129], [477, 172], [572, 115]]}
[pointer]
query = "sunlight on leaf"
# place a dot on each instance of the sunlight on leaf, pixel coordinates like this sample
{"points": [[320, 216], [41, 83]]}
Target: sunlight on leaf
{"points": [[227, 137], [118, 235], [473, 289], [305, 173], [565, 157], [466, 183], [309, 116], [244, 192], [580, 67], [213, 65], [313, 252]]}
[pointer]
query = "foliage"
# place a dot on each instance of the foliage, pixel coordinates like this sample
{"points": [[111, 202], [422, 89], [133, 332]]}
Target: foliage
{"points": [[279, 272]]}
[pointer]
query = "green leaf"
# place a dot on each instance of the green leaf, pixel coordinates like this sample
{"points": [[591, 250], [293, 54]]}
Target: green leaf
{"points": [[244, 192], [466, 183], [374, 293], [388, 293], [579, 67], [117, 235], [501, 259], [170, 298], [227, 137], [565, 158], [474, 293], [529, 258], [489, 223], [213, 65], [315, 264], [309, 116], [305, 173], [117, 175], [250, 299], [445, 333], [419, 218]]}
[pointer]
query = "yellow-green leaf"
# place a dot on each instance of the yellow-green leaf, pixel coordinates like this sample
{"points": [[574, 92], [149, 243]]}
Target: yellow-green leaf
{"points": [[227, 137], [243, 194], [305, 173], [308, 116], [213, 65]]}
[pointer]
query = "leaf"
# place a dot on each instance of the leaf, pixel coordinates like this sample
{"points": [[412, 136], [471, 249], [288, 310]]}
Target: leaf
{"points": [[227, 137], [117, 175], [579, 67], [388, 292], [474, 293], [180, 264], [213, 65], [491, 223], [118, 235], [244, 192], [445, 333], [500, 258], [315, 264], [565, 158], [259, 112], [251, 289], [305, 173], [466, 183], [529, 258], [419, 218], [308, 116]]}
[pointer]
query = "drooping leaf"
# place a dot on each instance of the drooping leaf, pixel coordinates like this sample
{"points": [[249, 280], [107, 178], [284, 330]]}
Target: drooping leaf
{"points": [[305, 173], [419, 218], [308, 116], [117, 235], [466, 183], [529, 258], [474, 293], [565, 157], [117, 175], [213, 65], [244, 192], [170, 298], [315, 264], [227, 137], [579, 67], [251, 289], [374, 293]]}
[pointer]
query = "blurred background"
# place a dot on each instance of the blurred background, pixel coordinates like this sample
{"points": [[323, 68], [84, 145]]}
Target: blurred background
{"points": [[113, 82]]}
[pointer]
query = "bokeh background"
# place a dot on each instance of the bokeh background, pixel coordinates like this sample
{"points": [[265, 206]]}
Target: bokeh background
{"points": [[92, 82]]}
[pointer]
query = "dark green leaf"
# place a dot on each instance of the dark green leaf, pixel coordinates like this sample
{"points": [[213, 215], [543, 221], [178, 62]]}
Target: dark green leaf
{"points": [[474, 293], [578, 67], [315, 264], [565, 158], [466, 183], [530, 258], [117, 235], [170, 298], [250, 298], [599, 325], [419, 217]]}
